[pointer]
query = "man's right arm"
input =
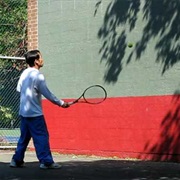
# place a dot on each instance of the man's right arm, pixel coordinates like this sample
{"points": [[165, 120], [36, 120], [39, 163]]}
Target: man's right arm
{"points": [[43, 89]]}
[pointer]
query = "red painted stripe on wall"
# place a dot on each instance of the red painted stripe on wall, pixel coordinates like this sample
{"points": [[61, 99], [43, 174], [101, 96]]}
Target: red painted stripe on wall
{"points": [[132, 127]]}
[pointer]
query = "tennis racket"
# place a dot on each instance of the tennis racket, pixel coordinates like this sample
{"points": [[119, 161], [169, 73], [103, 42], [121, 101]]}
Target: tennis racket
{"points": [[95, 94]]}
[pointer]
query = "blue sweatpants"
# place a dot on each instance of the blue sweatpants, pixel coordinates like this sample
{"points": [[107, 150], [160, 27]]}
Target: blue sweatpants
{"points": [[36, 128]]}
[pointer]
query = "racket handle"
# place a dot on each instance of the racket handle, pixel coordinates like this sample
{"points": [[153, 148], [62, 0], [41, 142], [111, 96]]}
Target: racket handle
{"points": [[73, 102], [70, 103]]}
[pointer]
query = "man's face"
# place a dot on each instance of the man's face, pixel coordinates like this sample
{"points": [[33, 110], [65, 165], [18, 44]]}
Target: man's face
{"points": [[40, 61]]}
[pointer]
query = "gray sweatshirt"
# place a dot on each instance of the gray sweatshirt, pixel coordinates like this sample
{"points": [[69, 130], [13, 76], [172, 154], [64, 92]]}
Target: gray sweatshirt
{"points": [[31, 86]]}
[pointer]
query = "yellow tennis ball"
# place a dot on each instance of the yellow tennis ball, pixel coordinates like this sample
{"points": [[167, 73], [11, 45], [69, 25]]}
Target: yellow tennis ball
{"points": [[130, 45]]}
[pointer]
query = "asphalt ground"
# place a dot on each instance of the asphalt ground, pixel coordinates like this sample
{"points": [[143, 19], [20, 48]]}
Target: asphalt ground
{"points": [[88, 168]]}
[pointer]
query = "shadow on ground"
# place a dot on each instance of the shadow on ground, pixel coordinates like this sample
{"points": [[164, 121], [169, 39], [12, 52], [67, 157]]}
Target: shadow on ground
{"points": [[96, 170]]}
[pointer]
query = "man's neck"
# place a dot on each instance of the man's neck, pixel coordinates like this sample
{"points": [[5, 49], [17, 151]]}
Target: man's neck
{"points": [[35, 67]]}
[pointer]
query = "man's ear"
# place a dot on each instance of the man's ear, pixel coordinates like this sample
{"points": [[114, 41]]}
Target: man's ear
{"points": [[36, 62]]}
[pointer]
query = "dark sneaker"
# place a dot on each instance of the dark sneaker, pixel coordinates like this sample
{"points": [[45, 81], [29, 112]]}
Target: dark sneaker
{"points": [[14, 164], [52, 166]]}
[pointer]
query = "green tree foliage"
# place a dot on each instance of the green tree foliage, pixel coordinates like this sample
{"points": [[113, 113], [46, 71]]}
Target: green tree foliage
{"points": [[13, 42], [13, 27]]}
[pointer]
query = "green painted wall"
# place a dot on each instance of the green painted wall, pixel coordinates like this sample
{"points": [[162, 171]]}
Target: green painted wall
{"points": [[85, 42]]}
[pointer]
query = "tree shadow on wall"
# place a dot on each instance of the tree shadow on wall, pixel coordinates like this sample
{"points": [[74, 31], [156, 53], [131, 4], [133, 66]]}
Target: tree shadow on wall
{"points": [[161, 20], [161, 24], [167, 148]]}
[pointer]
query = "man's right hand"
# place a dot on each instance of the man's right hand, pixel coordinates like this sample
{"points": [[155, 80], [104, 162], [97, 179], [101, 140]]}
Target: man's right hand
{"points": [[65, 105]]}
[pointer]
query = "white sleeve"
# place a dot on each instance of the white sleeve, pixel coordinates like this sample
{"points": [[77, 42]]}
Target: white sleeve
{"points": [[43, 89], [18, 88]]}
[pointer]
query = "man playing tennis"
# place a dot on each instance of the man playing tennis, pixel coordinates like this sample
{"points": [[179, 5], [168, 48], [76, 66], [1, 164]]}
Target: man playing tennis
{"points": [[31, 86]]}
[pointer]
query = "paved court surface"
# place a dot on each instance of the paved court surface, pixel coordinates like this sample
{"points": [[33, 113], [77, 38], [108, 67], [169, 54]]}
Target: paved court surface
{"points": [[88, 168]]}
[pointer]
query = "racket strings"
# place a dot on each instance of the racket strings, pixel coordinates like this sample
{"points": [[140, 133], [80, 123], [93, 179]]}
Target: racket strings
{"points": [[95, 95]]}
